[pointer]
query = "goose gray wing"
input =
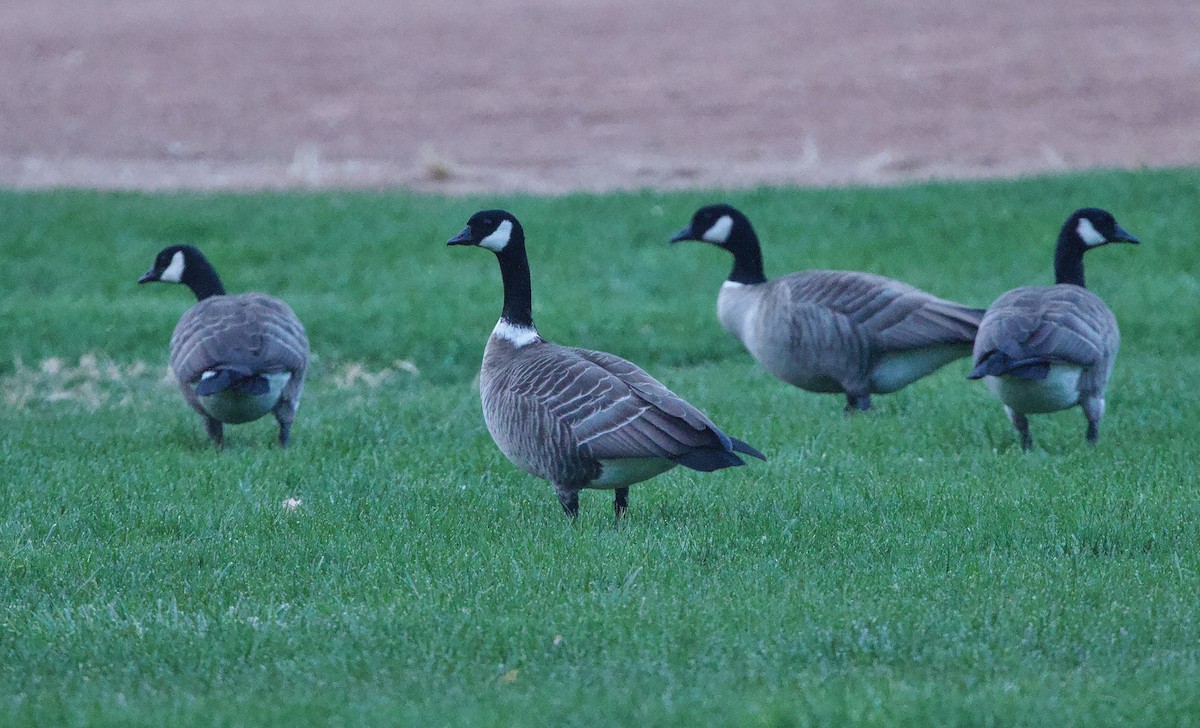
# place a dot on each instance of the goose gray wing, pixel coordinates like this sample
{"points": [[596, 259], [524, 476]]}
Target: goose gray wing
{"points": [[614, 409], [252, 330], [1062, 323], [647, 412], [894, 316]]}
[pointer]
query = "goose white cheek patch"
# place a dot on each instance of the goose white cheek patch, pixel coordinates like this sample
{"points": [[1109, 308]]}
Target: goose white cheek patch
{"points": [[174, 272], [719, 232], [497, 240], [1088, 233]]}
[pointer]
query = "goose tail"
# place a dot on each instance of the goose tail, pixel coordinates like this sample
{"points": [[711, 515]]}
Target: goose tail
{"points": [[998, 363], [230, 377]]}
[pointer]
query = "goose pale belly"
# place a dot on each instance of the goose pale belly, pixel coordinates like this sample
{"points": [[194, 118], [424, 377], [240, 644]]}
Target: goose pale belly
{"points": [[1058, 391], [627, 471], [233, 407], [896, 370]]}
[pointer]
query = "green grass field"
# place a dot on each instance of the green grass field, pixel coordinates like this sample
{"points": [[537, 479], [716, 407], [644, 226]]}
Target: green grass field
{"points": [[910, 566]]}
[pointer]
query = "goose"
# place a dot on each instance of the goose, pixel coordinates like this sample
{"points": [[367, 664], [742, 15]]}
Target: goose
{"points": [[237, 357], [579, 418], [1046, 348], [828, 330]]}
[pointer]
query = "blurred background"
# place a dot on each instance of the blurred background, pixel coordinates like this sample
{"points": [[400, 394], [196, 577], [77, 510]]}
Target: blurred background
{"points": [[503, 95]]}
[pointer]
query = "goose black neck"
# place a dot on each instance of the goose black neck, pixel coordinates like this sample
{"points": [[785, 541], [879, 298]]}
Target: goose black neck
{"points": [[747, 255], [518, 293], [1068, 259], [202, 278]]}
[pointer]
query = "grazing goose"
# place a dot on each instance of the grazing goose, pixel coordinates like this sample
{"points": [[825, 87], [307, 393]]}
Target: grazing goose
{"points": [[236, 357], [1047, 348], [826, 330], [579, 418]]}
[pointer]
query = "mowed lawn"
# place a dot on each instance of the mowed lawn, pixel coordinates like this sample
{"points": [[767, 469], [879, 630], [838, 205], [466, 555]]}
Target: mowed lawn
{"points": [[909, 566]]}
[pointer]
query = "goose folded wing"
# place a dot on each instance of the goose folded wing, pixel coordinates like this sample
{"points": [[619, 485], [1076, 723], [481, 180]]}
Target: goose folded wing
{"points": [[614, 409], [895, 316], [1048, 330], [252, 331], [1069, 336]]}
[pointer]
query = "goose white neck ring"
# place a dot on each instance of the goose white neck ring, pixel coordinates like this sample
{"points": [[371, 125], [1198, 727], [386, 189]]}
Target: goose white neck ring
{"points": [[517, 334]]}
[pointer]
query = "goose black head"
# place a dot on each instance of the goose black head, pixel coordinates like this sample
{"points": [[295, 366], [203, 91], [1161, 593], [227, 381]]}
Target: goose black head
{"points": [[171, 264], [495, 230], [727, 228], [187, 265], [1084, 230], [1092, 227], [499, 232], [716, 224]]}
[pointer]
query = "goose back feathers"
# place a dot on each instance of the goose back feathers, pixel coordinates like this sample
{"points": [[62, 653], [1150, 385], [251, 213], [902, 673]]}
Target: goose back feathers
{"points": [[579, 418], [235, 357], [252, 344], [831, 331]]}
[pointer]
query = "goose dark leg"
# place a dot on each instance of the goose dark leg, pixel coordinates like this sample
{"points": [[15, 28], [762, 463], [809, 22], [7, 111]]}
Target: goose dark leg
{"points": [[1093, 410], [285, 414], [215, 430], [569, 497], [285, 433], [857, 403], [621, 501], [285, 429], [1021, 423]]}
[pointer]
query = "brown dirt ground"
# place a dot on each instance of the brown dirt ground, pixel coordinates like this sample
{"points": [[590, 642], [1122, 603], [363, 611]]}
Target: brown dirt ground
{"points": [[469, 95]]}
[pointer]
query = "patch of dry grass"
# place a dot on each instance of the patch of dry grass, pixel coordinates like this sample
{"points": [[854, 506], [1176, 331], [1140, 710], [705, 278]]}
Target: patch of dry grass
{"points": [[94, 381]]}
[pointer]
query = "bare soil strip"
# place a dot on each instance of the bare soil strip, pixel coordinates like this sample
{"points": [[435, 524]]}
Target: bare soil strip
{"points": [[460, 96]]}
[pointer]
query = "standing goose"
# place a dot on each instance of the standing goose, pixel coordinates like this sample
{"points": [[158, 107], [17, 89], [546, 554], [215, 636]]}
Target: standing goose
{"points": [[1047, 348], [831, 331], [579, 418], [236, 357]]}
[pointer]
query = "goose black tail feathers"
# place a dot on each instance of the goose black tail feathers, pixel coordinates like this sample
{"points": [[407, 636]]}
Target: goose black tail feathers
{"points": [[708, 460], [239, 379], [997, 363], [711, 459], [739, 446]]}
